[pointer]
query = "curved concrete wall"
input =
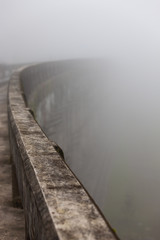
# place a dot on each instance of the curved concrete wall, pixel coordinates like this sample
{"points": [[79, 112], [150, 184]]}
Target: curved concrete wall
{"points": [[68, 103], [56, 205]]}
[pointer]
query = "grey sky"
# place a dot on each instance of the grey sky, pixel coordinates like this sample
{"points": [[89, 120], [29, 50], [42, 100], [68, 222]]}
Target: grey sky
{"points": [[34, 30]]}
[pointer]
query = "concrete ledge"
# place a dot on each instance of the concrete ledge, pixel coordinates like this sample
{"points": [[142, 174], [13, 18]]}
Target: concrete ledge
{"points": [[56, 205]]}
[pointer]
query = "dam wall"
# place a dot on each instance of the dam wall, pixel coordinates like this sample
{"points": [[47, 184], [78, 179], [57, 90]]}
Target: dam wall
{"points": [[55, 203]]}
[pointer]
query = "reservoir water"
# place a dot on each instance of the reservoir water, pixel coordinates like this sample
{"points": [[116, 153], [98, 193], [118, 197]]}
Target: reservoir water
{"points": [[106, 118]]}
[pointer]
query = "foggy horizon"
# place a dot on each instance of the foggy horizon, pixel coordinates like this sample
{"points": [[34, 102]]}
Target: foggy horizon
{"points": [[52, 30]]}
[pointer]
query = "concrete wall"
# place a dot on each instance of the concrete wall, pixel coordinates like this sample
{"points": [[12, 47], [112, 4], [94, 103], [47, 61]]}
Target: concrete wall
{"points": [[56, 205], [68, 103]]}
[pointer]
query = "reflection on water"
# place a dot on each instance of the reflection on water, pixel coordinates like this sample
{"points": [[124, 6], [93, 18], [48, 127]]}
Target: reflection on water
{"points": [[108, 124]]}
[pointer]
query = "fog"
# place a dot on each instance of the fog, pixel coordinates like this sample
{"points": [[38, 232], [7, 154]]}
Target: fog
{"points": [[126, 34], [47, 30]]}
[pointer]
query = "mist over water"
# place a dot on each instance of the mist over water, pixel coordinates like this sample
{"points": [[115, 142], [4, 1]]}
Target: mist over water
{"points": [[122, 104]]}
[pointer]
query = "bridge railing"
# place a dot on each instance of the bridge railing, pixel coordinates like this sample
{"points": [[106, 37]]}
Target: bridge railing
{"points": [[56, 205]]}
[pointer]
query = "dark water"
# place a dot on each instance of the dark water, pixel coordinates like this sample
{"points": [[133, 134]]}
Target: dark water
{"points": [[107, 122]]}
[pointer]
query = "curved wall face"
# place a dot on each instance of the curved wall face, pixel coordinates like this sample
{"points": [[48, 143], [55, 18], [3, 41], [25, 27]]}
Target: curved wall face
{"points": [[65, 99]]}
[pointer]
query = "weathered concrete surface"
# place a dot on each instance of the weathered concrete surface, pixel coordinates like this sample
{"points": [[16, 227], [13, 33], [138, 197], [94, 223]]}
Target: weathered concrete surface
{"points": [[11, 219], [56, 205]]}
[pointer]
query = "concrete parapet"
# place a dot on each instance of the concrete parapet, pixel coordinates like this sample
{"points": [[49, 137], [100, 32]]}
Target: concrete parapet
{"points": [[56, 205]]}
